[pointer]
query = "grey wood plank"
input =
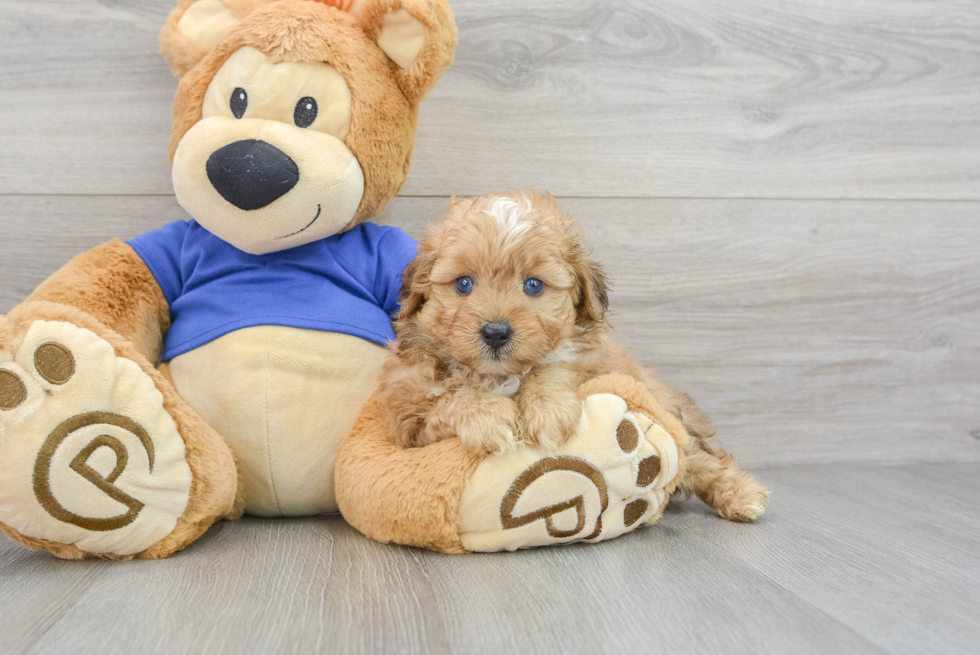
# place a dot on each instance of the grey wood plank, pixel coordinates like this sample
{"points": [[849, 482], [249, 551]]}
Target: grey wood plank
{"points": [[760, 98], [314, 585], [849, 558], [808, 330], [883, 550]]}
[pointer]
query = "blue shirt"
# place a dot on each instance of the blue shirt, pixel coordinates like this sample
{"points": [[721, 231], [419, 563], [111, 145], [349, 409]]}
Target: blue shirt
{"points": [[348, 283]]}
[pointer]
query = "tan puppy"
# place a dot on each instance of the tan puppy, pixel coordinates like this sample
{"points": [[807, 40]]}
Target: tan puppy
{"points": [[502, 317]]}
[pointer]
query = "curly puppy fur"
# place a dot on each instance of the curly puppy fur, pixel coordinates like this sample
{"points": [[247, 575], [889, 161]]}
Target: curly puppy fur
{"points": [[443, 379]]}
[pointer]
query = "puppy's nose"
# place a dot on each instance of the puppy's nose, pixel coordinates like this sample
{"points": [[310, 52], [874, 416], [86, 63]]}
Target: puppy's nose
{"points": [[251, 174], [496, 334]]}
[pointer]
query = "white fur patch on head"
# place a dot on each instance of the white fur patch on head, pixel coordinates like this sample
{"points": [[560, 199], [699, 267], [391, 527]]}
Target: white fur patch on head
{"points": [[510, 215]]}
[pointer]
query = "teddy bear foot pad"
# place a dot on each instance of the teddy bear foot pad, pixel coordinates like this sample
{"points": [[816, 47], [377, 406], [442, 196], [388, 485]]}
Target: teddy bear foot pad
{"points": [[88, 454], [608, 479]]}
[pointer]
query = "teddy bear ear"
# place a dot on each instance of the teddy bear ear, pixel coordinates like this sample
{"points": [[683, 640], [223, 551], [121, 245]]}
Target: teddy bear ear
{"points": [[418, 36], [194, 27]]}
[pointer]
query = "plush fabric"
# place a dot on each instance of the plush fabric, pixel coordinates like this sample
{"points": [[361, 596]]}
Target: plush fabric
{"points": [[384, 99], [276, 340], [445, 498], [331, 122], [267, 84], [436, 54], [97, 281], [401, 37], [214, 483], [400, 495], [316, 183], [102, 455], [348, 283], [105, 440], [608, 479], [206, 21], [305, 388], [194, 27]]}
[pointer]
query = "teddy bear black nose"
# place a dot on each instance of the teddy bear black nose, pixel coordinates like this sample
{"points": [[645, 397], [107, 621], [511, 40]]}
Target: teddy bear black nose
{"points": [[496, 334], [251, 174]]}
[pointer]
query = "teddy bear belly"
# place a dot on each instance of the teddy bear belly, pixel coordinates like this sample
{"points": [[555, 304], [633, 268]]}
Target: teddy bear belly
{"points": [[283, 398]]}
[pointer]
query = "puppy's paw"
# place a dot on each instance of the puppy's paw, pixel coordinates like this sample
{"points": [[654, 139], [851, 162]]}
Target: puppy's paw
{"points": [[549, 421], [483, 422], [487, 436], [743, 499]]}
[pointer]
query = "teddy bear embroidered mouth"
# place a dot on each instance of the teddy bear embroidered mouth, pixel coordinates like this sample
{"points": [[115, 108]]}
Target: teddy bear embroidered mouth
{"points": [[308, 226]]}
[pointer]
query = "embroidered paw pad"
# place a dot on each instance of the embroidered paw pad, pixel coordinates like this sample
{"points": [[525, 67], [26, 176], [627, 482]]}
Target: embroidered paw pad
{"points": [[88, 455], [608, 479]]}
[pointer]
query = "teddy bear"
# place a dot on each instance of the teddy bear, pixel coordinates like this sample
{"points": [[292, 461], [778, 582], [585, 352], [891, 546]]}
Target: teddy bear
{"points": [[214, 367], [294, 124]]}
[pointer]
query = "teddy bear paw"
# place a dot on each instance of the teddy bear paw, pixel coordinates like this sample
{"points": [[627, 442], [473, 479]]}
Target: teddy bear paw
{"points": [[609, 478], [88, 454]]}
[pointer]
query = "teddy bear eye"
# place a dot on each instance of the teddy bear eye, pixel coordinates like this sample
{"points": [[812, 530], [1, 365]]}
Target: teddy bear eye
{"points": [[305, 113], [464, 285], [239, 102], [533, 286]]}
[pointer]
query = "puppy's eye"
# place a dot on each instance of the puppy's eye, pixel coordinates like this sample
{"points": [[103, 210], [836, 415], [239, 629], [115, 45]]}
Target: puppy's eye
{"points": [[305, 113], [464, 285], [239, 102], [533, 286]]}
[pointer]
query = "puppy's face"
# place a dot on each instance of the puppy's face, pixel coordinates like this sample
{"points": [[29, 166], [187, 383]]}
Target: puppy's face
{"points": [[501, 282]]}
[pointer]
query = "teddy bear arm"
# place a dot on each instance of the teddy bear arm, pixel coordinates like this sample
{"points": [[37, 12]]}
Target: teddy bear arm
{"points": [[615, 474], [112, 284], [402, 495]]}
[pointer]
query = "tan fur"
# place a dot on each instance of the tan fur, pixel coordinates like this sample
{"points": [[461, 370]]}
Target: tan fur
{"points": [[183, 53], [384, 99], [111, 283], [441, 369], [421, 488], [215, 481], [440, 41], [110, 291]]}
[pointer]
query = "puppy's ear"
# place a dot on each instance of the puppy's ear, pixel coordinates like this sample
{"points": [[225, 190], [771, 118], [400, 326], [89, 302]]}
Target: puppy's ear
{"points": [[418, 36], [593, 292], [415, 282]]}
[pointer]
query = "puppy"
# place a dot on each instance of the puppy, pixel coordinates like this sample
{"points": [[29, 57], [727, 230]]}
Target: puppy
{"points": [[503, 316]]}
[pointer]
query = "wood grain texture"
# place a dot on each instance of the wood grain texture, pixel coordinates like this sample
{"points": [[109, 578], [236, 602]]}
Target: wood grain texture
{"points": [[851, 559], [632, 98], [809, 331], [823, 333]]}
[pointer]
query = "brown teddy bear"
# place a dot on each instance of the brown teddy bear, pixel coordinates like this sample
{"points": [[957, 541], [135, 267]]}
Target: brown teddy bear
{"points": [[293, 125]]}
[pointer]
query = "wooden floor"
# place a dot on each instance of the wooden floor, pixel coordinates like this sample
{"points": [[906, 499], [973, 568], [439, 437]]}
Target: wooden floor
{"points": [[787, 196], [850, 559]]}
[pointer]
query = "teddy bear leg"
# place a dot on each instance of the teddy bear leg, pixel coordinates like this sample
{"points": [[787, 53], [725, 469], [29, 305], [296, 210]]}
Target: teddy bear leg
{"points": [[99, 456]]}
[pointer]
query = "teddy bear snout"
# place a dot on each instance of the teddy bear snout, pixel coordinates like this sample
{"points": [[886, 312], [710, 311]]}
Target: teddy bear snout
{"points": [[251, 174]]}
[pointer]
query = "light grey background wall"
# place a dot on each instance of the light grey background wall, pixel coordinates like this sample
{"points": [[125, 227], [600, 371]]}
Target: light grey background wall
{"points": [[785, 194]]}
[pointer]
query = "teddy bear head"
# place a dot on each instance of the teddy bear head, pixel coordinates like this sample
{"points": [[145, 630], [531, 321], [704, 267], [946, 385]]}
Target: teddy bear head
{"points": [[294, 120]]}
